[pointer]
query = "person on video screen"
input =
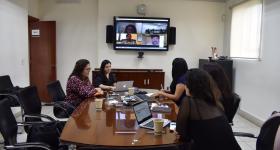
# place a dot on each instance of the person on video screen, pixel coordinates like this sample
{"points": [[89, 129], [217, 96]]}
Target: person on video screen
{"points": [[155, 40], [128, 39], [130, 29]]}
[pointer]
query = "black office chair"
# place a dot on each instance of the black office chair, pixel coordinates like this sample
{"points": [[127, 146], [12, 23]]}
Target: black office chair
{"points": [[9, 127], [234, 109], [61, 108], [7, 87], [236, 103], [31, 104], [269, 137]]}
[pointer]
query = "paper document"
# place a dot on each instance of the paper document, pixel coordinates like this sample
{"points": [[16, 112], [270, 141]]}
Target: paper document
{"points": [[149, 94]]}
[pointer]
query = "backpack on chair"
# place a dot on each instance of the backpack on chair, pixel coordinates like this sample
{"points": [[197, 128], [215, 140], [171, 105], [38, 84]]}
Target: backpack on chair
{"points": [[269, 137]]}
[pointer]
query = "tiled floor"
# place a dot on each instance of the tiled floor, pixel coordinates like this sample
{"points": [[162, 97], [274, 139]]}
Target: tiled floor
{"points": [[243, 125], [240, 125]]}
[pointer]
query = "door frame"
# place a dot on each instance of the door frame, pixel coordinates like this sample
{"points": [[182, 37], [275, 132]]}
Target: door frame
{"points": [[31, 20]]}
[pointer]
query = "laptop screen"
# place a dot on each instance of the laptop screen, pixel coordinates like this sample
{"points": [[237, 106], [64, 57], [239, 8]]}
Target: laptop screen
{"points": [[142, 112], [123, 85]]}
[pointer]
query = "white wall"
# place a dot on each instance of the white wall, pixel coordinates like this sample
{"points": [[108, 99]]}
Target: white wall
{"points": [[33, 8], [14, 41], [75, 32], [81, 32], [258, 81], [199, 26]]}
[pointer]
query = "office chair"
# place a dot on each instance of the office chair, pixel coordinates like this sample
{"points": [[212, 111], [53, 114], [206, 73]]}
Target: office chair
{"points": [[61, 108], [235, 106], [7, 87], [269, 137], [31, 104], [236, 103], [9, 127]]}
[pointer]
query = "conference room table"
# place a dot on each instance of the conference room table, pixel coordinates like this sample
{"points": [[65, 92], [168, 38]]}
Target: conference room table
{"points": [[114, 126]]}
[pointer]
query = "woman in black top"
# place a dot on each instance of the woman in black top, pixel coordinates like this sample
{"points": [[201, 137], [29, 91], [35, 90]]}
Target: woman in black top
{"points": [[105, 79], [177, 86], [222, 81], [201, 119]]}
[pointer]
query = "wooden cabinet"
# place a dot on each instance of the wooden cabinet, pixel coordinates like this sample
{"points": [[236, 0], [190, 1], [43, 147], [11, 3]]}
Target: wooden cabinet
{"points": [[226, 64], [143, 78]]}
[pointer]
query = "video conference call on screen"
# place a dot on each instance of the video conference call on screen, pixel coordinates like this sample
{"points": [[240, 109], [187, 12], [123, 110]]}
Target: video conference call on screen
{"points": [[141, 33]]}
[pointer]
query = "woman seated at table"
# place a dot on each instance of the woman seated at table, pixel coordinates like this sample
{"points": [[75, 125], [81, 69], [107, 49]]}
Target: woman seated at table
{"points": [[78, 85], [105, 79], [201, 119], [177, 86], [222, 81]]}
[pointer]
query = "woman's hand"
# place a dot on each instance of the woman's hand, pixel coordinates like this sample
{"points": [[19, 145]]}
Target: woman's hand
{"points": [[177, 136], [165, 91], [112, 88], [157, 94], [99, 92]]}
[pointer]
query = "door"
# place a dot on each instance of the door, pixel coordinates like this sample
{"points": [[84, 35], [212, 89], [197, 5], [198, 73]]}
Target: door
{"points": [[42, 53]]}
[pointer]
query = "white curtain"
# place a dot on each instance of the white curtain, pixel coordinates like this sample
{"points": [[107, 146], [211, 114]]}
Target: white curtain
{"points": [[246, 30]]}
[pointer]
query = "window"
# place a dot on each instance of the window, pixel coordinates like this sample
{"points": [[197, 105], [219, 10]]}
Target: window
{"points": [[246, 30]]}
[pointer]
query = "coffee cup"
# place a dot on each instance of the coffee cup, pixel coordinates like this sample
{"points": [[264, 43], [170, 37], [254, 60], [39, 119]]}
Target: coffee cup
{"points": [[98, 103], [131, 91], [158, 126]]}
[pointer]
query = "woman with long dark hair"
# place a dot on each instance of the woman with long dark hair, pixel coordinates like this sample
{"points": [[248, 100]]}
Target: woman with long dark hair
{"points": [[130, 29], [201, 119], [222, 81], [105, 79], [177, 86], [78, 85]]}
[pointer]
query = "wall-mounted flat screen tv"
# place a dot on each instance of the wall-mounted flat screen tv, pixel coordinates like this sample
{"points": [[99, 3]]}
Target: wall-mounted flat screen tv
{"points": [[147, 34]]}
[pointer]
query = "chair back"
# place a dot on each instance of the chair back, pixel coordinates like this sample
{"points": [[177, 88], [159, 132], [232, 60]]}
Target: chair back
{"points": [[30, 100], [269, 134], [8, 124], [7, 87], [235, 105], [6, 83], [56, 92], [94, 76]]}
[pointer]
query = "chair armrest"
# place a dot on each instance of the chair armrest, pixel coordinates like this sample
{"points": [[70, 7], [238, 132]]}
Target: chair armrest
{"points": [[39, 116], [68, 105], [18, 87], [243, 134], [28, 145], [57, 105], [31, 123], [11, 96], [47, 104]]}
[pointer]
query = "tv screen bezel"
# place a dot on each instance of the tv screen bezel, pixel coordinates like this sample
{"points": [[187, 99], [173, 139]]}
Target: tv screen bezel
{"points": [[159, 50]]}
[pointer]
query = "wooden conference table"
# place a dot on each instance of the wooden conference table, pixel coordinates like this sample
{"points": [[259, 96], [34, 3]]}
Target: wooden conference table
{"points": [[114, 127]]}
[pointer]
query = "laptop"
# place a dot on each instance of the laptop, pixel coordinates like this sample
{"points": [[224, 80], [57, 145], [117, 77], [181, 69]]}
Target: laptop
{"points": [[122, 86], [144, 97], [144, 116]]}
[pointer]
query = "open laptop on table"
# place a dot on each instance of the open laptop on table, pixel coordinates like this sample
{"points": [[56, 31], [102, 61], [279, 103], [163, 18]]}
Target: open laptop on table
{"points": [[122, 86], [144, 116]]}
